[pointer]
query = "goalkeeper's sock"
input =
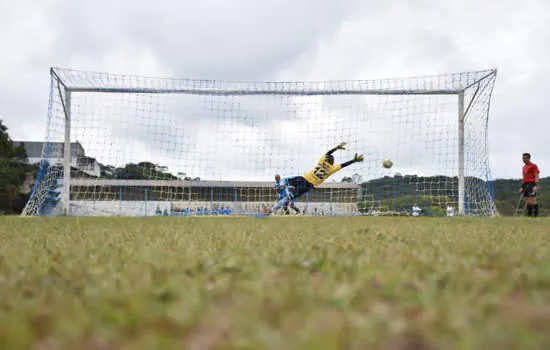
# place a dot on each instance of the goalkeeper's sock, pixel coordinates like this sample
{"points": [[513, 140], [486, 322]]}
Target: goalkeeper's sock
{"points": [[535, 210], [529, 210]]}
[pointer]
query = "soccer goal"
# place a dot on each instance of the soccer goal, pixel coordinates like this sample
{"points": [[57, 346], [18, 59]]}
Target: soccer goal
{"points": [[141, 146]]}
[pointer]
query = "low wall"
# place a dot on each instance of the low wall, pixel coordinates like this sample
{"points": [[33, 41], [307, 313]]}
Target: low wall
{"points": [[150, 208]]}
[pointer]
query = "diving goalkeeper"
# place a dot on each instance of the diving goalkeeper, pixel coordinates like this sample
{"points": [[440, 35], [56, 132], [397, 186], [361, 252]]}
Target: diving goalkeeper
{"points": [[300, 185]]}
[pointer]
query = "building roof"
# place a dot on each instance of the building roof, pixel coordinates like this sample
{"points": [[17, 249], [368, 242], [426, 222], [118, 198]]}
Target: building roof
{"points": [[85, 160], [34, 148], [186, 183]]}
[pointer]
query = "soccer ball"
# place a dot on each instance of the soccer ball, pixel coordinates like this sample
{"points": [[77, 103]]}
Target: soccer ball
{"points": [[387, 163]]}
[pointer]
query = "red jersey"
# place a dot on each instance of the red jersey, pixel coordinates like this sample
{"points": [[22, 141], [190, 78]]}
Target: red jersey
{"points": [[530, 170]]}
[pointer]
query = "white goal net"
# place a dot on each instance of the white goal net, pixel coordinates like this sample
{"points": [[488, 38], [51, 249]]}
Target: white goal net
{"points": [[141, 146]]}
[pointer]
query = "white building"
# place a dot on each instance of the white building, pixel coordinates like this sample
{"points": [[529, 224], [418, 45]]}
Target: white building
{"points": [[55, 153]]}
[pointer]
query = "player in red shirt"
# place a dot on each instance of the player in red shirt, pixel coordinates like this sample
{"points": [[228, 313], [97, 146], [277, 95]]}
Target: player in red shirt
{"points": [[529, 187]]}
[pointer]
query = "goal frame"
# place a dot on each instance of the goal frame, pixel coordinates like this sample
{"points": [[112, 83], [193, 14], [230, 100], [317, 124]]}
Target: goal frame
{"points": [[66, 91]]}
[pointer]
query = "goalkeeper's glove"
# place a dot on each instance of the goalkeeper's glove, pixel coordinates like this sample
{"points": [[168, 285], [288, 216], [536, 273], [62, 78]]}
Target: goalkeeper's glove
{"points": [[358, 158], [342, 145]]}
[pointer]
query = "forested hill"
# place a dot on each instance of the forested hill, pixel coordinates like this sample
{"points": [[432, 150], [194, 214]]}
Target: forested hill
{"points": [[441, 188], [507, 195]]}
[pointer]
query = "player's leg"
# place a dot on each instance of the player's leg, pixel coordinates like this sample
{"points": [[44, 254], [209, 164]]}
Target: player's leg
{"points": [[285, 208], [526, 198], [529, 197], [291, 203], [275, 207], [534, 201], [535, 206], [529, 206], [279, 204], [288, 202], [294, 207], [300, 186]]}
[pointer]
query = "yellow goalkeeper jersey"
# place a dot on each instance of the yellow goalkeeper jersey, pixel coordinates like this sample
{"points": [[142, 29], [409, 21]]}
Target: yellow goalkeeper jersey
{"points": [[321, 172]]}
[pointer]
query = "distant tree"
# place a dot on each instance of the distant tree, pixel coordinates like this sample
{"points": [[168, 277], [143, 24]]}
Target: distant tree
{"points": [[147, 165], [107, 171], [12, 170], [347, 179], [139, 171], [400, 191], [8, 150]]}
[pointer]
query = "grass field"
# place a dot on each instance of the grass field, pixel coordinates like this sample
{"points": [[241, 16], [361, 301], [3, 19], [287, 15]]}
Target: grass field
{"points": [[278, 283]]}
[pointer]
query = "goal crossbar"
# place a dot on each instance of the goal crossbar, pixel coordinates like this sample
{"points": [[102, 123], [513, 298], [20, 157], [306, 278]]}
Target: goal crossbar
{"points": [[249, 88], [225, 92]]}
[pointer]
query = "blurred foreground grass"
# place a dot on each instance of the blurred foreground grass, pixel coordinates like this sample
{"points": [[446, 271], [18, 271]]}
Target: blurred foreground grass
{"points": [[278, 283]]}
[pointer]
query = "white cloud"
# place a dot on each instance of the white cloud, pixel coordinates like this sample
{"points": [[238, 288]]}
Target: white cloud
{"points": [[290, 40]]}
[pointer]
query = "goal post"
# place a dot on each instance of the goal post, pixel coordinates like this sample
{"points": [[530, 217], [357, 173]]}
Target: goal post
{"points": [[461, 153], [67, 153], [132, 145]]}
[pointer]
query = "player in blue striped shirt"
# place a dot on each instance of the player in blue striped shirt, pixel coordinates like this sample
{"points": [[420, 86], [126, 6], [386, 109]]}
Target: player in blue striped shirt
{"points": [[285, 197]]}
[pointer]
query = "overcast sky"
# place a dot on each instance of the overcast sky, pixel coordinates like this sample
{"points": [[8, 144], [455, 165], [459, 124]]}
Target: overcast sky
{"points": [[290, 40]]}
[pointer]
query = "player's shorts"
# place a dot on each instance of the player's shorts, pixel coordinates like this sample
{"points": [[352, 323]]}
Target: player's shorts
{"points": [[301, 186], [528, 189]]}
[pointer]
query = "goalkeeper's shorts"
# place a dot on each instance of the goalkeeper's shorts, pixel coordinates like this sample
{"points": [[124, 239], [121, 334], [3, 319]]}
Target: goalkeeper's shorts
{"points": [[301, 186]]}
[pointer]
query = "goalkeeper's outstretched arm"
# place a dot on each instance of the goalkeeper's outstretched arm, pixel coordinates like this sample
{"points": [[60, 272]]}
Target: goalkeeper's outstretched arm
{"points": [[340, 146], [357, 158]]}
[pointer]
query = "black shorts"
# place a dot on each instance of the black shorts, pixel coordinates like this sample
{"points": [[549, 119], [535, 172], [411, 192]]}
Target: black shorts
{"points": [[528, 189], [301, 186]]}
